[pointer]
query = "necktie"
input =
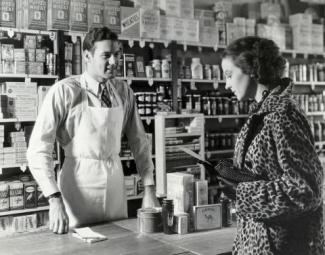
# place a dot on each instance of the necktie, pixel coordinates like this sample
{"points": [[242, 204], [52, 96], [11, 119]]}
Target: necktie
{"points": [[104, 96]]}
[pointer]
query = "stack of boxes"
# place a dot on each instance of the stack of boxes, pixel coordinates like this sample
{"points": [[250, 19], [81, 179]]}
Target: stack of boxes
{"points": [[18, 142]]}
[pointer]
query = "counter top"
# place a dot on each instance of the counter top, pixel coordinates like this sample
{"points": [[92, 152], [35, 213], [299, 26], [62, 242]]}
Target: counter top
{"points": [[122, 239]]}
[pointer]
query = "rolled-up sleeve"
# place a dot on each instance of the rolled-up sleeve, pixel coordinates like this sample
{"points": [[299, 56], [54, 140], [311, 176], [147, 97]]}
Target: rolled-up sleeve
{"points": [[138, 141], [41, 143]]}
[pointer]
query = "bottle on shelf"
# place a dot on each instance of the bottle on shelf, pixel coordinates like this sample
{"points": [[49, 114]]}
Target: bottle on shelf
{"points": [[196, 69]]}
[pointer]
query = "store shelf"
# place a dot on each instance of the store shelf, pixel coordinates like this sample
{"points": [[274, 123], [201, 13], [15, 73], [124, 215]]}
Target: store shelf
{"points": [[13, 120], [315, 113], [230, 116], [295, 52], [21, 211], [28, 31], [320, 144], [208, 154], [134, 197], [32, 76], [132, 158], [21, 166], [183, 134], [144, 79]]}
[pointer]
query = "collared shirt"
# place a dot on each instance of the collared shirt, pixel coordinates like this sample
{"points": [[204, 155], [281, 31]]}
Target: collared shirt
{"points": [[54, 122]]}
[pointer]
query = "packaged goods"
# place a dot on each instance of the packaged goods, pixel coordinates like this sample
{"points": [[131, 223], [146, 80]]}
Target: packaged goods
{"points": [[207, 216], [201, 192], [191, 30], [16, 191], [7, 13], [58, 14], [112, 15], [130, 22], [181, 223], [147, 4], [166, 28], [78, 15], [4, 196], [149, 23], [129, 65], [196, 69], [95, 13], [7, 52], [30, 197], [32, 14]]}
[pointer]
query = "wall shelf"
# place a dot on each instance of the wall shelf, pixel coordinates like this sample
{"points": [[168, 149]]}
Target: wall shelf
{"points": [[22, 211], [229, 116], [13, 120], [32, 76]]}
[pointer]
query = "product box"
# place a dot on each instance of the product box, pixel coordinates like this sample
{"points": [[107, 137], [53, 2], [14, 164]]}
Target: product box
{"points": [[231, 29], [178, 29], [129, 183], [209, 35], [279, 35], [30, 194], [302, 39], [140, 67], [180, 189], [300, 19], [7, 13], [8, 67], [149, 23], [7, 52], [35, 68], [273, 9], [317, 42], [78, 15], [4, 196], [129, 65], [32, 14], [130, 22], [16, 191], [30, 42], [30, 55], [181, 223], [58, 14], [95, 13], [191, 30], [201, 192], [40, 55], [178, 8], [205, 17], [112, 16], [207, 217], [250, 27], [166, 28], [147, 4], [19, 54], [20, 67]]}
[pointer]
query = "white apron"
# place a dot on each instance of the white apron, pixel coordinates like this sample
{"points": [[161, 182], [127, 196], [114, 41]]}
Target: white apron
{"points": [[91, 179]]}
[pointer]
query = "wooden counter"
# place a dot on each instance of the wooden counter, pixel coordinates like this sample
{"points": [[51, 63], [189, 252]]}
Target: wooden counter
{"points": [[122, 239]]}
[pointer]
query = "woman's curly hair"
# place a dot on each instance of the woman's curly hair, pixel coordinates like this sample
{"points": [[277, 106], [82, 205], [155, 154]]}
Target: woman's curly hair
{"points": [[257, 57]]}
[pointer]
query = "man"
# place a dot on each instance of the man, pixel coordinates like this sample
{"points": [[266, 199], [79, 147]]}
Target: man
{"points": [[88, 115]]}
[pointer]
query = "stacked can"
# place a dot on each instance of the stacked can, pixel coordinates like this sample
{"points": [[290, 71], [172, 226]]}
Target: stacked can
{"points": [[147, 103]]}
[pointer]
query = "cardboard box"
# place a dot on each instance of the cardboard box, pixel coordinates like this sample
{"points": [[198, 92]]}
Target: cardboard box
{"points": [[30, 196], [7, 13], [201, 192], [20, 67], [130, 22], [32, 14], [149, 23], [180, 189], [166, 28], [7, 52], [191, 30], [317, 35], [78, 15], [16, 191], [58, 14], [178, 8], [19, 54], [4, 196], [112, 15], [95, 13], [178, 29], [129, 65], [129, 183], [147, 4], [207, 217]]}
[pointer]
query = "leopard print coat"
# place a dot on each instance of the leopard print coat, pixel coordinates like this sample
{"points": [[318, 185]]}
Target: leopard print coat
{"points": [[281, 212]]}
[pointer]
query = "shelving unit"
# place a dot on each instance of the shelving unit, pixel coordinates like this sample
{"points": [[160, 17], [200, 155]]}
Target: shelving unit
{"points": [[22, 211], [169, 136]]}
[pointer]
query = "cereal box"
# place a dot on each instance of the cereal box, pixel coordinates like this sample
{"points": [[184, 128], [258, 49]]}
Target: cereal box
{"points": [[149, 23], [58, 14], [30, 194], [7, 13], [112, 16], [130, 22], [4, 196], [7, 52], [32, 14], [16, 195], [78, 15], [95, 13]]}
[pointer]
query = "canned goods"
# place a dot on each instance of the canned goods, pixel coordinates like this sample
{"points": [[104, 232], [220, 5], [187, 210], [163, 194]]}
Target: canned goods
{"points": [[142, 109], [147, 97]]}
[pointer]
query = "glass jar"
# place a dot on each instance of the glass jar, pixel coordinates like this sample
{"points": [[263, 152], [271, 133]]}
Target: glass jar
{"points": [[156, 68], [196, 69], [165, 68]]}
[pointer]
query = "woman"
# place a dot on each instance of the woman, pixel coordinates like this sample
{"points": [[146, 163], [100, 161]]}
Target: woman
{"points": [[281, 211]]}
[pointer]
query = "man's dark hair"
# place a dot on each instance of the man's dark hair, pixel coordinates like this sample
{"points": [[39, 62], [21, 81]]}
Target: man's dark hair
{"points": [[258, 57], [97, 34]]}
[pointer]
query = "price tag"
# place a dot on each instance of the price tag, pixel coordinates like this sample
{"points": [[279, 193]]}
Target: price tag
{"points": [[151, 45], [150, 81], [27, 81], [215, 47], [166, 43], [74, 38], [131, 43], [185, 46], [142, 43], [148, 121], [215, 83], [52, 36], [10, 32], [219, 119]]}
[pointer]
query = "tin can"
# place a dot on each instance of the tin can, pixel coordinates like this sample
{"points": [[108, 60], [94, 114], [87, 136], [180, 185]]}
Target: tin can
{"points": [[149, 220], [50, 63]]}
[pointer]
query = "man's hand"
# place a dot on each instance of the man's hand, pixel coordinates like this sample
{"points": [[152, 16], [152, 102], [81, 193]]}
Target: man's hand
{"points": [[59, 220], [149, 198]]}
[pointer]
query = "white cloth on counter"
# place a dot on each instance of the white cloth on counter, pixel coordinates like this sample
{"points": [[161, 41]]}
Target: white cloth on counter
{"points": [[57, 120]]}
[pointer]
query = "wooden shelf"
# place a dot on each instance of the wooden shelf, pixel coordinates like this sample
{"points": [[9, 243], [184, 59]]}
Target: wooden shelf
{"points": [[21, 211], [13, 120], [144, 79], [134, 197], [183, 134], [28, 31], [315, 113], [132, 158], [32, 76], [230, 116], [218, 152]]}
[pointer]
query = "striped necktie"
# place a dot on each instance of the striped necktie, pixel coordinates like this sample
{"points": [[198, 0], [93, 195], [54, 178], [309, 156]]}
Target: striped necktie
{"points": [[104, 96]]}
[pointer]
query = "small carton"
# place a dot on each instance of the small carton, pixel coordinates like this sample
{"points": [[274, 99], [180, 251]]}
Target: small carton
{"points": [[41, 200], [207, 216], [30, 197], [16, 191], [7, 52], [191, 30], [147, 4], [4, 196], [32, 14], [112, 15], [149, 23], [19, 54], [129, 65], [78, 15], [7, 13], [130, 22], [166, 28], [95, 13], [58, 14], [201, 192]]}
